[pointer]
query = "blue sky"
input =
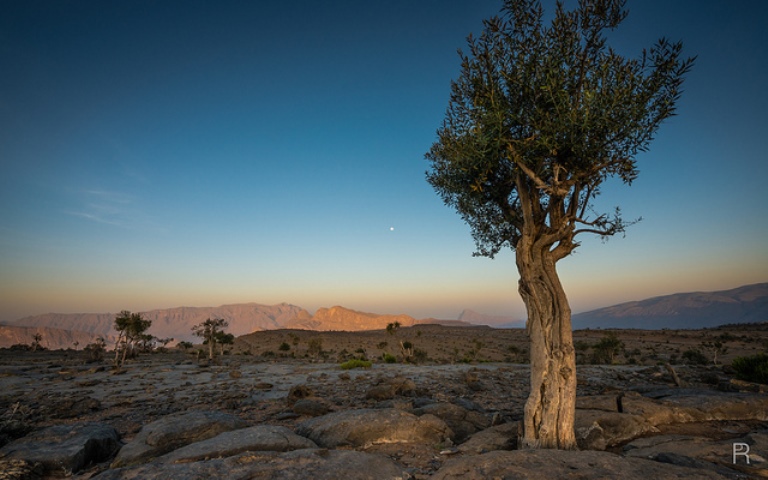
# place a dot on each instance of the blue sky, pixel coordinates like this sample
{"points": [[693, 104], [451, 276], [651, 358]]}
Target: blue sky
{"points": [[158, 154]]}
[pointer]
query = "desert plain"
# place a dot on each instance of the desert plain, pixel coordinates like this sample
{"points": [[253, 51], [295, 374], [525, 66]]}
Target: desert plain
{"points": [[278, 404]]}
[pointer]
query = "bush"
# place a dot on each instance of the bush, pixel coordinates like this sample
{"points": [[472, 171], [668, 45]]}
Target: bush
{"points": [[753, 368], [389, 358], [355, 363], [284, 347], [694, 357]]}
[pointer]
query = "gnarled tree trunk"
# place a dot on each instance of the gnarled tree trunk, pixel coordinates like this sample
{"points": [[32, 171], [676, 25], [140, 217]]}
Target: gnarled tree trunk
{"points": [[551, 405]]}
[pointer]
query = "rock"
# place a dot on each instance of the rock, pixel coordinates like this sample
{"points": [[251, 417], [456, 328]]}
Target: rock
{"points": [[462, 421], [371, 426], [19, 470], [260, 438], [500, 437], [317, 464], [64, 449], [298, 392], [380, 392], [549, 464], [174, 431], [704, 453], [313, 407], [598, 429], [71, 407]]}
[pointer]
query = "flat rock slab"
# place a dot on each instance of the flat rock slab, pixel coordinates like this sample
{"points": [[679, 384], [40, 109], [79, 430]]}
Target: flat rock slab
{"points": [[463, 422], [551, 464], [175, 431], [317, 464], [254, 439], [64, 449], [371, 426], [500, 437]]}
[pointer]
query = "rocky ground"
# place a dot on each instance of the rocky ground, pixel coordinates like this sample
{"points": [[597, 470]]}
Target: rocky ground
{"points": [[167, 415]]}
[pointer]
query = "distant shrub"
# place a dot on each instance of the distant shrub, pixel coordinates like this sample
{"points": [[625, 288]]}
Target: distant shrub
{"points": [[388, 358], [694, 357], [753, 368], [382, 345], [355, 363], [284, 347]]}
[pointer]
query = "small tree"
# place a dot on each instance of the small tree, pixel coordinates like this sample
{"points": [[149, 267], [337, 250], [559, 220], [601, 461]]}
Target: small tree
{"points": [[607, 348], [209, 331], [223, 338], [539, 117], [130, 328], [715, 348], [36, 339]]}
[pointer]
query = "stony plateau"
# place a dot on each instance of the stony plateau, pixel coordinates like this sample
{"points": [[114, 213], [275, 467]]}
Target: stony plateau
{"points": [[167, 416]]}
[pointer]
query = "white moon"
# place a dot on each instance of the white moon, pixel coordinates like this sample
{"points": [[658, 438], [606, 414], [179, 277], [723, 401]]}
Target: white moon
{"points": [[391, 229]]}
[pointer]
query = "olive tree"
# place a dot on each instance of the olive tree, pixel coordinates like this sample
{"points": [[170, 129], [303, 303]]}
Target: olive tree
{"points": [[131, 328], [210, 331], [538, 118]]}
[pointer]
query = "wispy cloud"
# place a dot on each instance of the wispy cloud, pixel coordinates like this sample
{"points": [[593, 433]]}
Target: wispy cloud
{"points": [[104, 206]]}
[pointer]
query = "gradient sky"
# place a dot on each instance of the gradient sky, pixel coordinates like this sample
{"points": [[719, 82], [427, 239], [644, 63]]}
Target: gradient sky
{"points": [[159, 154]]}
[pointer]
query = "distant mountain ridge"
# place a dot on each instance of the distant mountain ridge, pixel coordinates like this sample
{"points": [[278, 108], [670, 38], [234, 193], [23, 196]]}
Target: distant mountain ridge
{"points": [[746, 304], [176, 322], [340, 318]]}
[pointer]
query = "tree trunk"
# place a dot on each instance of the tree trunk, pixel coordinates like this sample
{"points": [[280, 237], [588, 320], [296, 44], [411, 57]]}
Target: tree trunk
{"points": [[551, 406]]}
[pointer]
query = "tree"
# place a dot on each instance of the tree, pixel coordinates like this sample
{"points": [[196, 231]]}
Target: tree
{"points": [[209, 330], [607, 348], [539, 117], [36, 339], [130, 328]]}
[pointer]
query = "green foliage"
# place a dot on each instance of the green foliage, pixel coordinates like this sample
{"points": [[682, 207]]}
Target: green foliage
{"points": [[541, 115], [388, 358], [753, 368], [284, 347], [355, 363], [184, 345], [212, 332], [130, 328]]}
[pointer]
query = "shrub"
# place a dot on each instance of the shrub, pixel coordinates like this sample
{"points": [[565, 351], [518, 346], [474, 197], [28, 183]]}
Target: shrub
{"points": [[694, 357], [388, 358], [284, 347], [355, 363], [753, 368]]}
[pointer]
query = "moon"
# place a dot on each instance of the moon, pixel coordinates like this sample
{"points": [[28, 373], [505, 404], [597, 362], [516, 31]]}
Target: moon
{"points": [[391, 229]]}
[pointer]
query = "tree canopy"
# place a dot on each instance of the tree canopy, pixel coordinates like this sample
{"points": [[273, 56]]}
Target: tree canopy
{"points": [[541, 116]]}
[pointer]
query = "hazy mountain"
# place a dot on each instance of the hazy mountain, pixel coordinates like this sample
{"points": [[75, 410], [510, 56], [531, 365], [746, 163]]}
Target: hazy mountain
{"points": [[340, 318], [176, 322], [498, 321], [51, 338], [747, 304]]}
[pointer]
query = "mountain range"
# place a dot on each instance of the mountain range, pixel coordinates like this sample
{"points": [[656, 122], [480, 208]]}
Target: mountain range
{"points": [[747, 304]]}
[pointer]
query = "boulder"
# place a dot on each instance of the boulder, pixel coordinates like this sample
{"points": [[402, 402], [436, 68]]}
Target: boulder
{"points": [[64, 449], [598, 429], [550, 464], [312, 407], [317, 464], [174, 431], [260, 438], [371, 426], [500, 437], [462, 421]]}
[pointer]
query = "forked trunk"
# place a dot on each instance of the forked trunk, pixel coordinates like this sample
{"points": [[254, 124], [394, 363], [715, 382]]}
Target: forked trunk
{"points": [[551, 405]]}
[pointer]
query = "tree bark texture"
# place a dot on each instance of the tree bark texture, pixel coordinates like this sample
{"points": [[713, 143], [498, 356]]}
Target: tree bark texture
{"points": [[551, 406]]}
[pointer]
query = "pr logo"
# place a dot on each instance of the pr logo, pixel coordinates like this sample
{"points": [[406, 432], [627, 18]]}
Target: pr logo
{"points": [[740, 449]]}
